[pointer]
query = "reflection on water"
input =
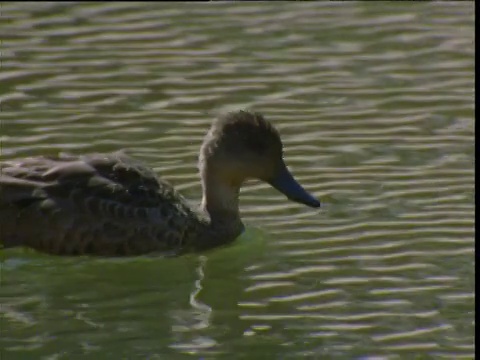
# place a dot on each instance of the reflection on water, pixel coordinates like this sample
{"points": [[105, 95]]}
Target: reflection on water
{"points": [[374, 104]]}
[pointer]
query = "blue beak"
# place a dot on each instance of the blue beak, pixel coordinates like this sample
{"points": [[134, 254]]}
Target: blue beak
{"points": [[287, 185]]}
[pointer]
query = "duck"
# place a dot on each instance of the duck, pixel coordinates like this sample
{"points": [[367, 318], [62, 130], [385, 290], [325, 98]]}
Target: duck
{"points": [[113, 205]]}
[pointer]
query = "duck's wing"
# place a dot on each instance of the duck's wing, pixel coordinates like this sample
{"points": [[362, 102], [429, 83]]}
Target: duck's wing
{"points": [[106, 204]]}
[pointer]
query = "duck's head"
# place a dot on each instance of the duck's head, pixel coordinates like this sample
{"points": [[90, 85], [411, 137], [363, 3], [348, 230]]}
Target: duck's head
{"points": [[242, 145]]}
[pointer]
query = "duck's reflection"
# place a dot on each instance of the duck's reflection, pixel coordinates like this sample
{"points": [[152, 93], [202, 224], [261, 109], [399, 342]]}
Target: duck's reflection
{"points": [[214, 316]]}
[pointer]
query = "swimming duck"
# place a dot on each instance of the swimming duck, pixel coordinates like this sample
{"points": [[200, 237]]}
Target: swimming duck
{"points": [[113, 205]]}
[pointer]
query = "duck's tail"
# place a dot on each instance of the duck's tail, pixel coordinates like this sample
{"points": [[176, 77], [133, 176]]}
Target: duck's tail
{"points": [[16, 195]]}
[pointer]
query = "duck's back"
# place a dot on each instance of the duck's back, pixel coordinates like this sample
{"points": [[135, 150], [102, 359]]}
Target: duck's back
{"points": [[105, 204]]}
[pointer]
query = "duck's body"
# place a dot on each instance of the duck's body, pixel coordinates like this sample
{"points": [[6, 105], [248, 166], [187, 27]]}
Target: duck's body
{"points": [[112, 205], [106, 204]]}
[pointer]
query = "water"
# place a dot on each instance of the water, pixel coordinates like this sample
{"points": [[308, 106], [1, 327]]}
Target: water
{"points": [[374, 102]]}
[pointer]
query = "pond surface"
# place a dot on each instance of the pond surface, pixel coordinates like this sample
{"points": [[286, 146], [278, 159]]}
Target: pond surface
{"points": [[375, 105]]}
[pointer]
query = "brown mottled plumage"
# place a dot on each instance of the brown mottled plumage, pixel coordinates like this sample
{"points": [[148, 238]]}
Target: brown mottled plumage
{"points": [[112, 205]]}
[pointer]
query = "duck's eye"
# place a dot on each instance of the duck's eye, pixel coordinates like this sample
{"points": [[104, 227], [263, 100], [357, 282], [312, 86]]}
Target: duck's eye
{"points": [[256, 144]]}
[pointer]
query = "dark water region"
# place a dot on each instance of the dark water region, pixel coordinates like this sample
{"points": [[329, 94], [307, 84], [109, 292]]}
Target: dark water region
{"points": [[374, 101]]}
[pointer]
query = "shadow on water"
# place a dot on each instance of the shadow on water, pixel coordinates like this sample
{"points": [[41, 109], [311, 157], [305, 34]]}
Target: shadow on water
{"points": [[92, 303]]}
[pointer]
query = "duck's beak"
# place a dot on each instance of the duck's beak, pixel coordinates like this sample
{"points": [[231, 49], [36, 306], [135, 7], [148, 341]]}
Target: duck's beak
{"points": [[287, 185]]}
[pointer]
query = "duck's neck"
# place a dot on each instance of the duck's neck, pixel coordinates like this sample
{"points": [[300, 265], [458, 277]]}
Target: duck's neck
{"points": [[220, 201]]}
